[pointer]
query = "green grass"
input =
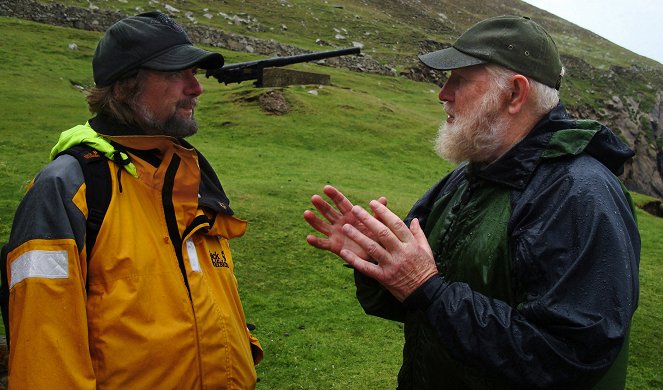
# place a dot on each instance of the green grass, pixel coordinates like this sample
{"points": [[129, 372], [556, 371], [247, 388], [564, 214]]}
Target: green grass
{"points": [[368, 135], [644, 370]]}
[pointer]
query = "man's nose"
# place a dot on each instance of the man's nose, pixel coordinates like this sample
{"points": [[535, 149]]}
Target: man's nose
{"points": [[445, 94], [193, 86]]}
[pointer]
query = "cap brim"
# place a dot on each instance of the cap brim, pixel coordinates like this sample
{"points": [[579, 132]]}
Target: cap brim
{"points": [[184, 56], [449, 58]]}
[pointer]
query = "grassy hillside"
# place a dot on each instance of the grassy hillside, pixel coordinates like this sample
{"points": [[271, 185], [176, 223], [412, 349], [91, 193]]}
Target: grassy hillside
{"points": [[389, 29], [368, 135], [394, 31]]}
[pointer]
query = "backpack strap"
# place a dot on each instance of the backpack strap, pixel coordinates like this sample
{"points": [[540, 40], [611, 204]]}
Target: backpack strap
{"points": [[98, 193], [98, 189]]}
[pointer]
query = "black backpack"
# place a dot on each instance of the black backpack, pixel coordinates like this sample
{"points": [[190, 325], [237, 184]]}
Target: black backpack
{"points": [[98, 193]]}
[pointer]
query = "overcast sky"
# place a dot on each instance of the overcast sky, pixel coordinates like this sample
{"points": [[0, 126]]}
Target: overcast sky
{"points": [[636, 25]]}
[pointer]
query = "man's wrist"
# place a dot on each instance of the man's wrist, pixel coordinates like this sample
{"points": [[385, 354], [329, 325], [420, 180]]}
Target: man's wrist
{"points": [[424, 295]]}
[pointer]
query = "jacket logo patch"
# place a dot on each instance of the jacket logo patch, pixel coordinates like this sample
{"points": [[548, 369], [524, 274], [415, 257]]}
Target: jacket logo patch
{"points": [[91, 154], [219, 261]]}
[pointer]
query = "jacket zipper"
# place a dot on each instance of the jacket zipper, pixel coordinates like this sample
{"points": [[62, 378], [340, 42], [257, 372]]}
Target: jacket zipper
{"points": [[171, 219], [177, 242]]}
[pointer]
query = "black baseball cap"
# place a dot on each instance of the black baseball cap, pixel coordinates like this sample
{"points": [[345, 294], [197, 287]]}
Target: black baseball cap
{"points": [[151, 40], [514, 42]]}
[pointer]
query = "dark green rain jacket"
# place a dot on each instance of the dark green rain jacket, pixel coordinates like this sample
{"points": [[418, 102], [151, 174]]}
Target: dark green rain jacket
{"points": [[538, 258]]}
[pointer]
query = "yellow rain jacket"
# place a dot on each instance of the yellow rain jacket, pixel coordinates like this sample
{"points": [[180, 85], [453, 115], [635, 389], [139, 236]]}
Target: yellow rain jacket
{"points": [[158, 307]]}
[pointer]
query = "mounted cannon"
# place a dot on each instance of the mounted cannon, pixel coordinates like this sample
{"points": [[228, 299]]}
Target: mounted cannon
{"points": [[256, 70]]}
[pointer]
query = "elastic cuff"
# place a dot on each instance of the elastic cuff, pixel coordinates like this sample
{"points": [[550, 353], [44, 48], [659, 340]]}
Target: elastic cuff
{"points": [[422, 297]]}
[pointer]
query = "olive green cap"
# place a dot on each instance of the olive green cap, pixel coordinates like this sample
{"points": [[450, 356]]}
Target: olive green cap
{"points": [[515, 42]]}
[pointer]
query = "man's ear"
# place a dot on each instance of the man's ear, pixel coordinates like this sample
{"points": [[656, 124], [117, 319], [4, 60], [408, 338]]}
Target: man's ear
{"points": [[519, 93]]}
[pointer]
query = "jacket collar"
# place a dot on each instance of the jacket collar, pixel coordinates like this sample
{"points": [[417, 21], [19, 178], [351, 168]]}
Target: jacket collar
{"points": [[555, 135], [212, 194], [104, 124]]}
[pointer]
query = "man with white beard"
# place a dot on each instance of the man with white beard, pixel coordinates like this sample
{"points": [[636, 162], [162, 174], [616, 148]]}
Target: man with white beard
{"points": [[519, 269]]}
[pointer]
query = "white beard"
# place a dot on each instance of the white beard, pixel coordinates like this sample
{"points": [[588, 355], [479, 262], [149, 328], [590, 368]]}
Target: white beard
{"points": [[476, 136]]}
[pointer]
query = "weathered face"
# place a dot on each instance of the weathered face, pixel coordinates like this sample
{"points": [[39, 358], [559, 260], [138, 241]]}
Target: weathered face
{"points": [[464, 90], [475, 126], [165, 105]]}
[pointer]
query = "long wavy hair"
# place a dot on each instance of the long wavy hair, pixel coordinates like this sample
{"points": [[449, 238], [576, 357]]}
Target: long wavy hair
{"points": [[118, 99]]}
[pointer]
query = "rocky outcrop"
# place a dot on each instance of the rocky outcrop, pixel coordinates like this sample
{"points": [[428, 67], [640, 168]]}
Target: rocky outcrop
{"points": [[60, 15], [642, 131]]}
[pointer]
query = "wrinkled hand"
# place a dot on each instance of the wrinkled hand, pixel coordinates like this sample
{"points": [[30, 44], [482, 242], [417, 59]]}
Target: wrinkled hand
{"points": [[336, 239], [396, 256]]}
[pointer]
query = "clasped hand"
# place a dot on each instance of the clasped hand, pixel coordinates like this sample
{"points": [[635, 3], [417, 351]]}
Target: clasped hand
{"points": [[381, 246]]}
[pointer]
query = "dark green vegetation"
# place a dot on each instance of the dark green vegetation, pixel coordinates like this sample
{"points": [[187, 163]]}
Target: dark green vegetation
{"points": [[366, 134]]}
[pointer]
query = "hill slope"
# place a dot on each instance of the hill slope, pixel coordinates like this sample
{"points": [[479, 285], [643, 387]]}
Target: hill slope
{"points": [[604, 81]]}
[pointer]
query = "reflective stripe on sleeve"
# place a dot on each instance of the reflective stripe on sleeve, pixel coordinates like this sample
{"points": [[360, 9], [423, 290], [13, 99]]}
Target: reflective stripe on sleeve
{"points": [[39, 264]]}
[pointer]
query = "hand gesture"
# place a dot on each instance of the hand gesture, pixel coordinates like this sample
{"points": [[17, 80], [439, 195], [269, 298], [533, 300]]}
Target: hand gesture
{"points": [[336, 239], [396, 256]]}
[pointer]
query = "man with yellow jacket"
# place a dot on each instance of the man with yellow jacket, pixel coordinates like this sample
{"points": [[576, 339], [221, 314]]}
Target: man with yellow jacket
{"points": [[156, 303]]}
